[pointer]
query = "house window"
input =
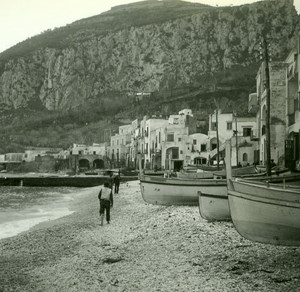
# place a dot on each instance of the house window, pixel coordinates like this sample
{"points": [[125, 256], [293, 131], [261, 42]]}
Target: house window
{"points": [[181, 152], [194, 141], [203, 147], [170, 138], [179, 139], [246, 132], [213, 146], [213, 126], [79, 152], [94, 152], [229, 125]]}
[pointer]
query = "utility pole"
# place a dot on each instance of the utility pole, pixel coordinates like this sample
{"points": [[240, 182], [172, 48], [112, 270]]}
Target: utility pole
{"points": [[266, 59]]}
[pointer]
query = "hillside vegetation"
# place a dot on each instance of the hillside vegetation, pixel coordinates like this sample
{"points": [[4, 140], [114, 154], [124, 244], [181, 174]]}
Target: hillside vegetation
{"points": [[69, 84]]}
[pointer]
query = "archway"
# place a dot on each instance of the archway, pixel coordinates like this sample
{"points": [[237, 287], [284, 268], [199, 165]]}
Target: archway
{"points": [[245, 157], [84, 164], [98, 163], [200, 160]]}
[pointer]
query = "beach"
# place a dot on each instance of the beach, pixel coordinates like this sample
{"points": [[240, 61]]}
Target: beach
{"points": [[145, 248]]}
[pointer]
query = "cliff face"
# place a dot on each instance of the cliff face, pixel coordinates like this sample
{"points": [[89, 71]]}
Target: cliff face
{"points": [[151, 57]]}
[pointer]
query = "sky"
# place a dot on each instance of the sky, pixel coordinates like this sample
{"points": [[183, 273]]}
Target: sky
{"points": [[21, 19]]}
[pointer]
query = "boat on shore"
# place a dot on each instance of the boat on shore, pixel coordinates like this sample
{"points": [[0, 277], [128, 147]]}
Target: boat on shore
{"points": [[174, 191], [241, 171], [264, 212], [265, 209], [204, 167], [194, 175], [214, 206]]}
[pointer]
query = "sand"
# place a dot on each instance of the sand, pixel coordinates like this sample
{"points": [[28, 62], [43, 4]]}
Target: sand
{"points": [[145, 248]]}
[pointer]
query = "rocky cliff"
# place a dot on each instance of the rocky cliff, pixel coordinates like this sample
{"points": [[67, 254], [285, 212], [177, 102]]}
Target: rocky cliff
{"points": [[127, 50]]}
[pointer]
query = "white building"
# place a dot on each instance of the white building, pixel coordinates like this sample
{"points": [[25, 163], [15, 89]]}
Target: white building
{"points": [[95, 149], [244, 148]]}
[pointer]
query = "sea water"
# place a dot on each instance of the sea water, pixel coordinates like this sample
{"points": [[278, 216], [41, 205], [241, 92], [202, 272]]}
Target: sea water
{"points": [[23, 207]]}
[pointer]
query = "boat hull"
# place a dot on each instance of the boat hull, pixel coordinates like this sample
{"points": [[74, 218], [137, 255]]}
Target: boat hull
{"points": [[173, 191], [266, 214], [196, 175], [214, 206]]}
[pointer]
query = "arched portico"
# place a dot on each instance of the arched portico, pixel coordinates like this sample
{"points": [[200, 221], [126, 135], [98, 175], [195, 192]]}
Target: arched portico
{"points": [[200, 160], [98, 164], [84, 164]]}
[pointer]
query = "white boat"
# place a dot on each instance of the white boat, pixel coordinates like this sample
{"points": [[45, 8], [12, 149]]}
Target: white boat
{"points": [[174, 191], [241, 171], [266, 213], [214, 206], [195, 175]]}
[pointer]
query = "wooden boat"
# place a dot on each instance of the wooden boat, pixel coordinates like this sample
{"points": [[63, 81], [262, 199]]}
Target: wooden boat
{"points": [[262, 211], [214, 206], [154, 173], [195, 175], [204, 167], [266, 213], [175, 191], [241, 171]]}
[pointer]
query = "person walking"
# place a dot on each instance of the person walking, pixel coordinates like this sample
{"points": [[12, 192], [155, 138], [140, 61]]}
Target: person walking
{"points": [[117, 183], [105, 197], [111, 180]]}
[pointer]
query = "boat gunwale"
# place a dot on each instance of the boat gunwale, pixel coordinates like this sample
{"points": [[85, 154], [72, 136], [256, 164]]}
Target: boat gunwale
{"points": [[221, 183], [263, 200], [293, 189], [212, 196]]}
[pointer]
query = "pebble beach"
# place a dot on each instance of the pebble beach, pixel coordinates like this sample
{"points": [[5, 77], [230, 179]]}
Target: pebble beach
{"points": [[145, 248]]}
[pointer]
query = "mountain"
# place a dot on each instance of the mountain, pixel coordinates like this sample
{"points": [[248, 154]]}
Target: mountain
{"points": [[63, 81]]}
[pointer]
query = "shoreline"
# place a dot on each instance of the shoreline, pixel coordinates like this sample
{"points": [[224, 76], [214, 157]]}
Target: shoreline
{"points": [[16, 221], [145, 248]]}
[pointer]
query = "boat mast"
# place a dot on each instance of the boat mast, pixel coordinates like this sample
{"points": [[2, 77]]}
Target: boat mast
{"points": [[217, 131], [268, 102], [236, 139]]}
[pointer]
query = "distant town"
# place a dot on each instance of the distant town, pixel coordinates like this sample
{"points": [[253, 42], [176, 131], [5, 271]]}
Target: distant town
{"points": [[176, 142]]}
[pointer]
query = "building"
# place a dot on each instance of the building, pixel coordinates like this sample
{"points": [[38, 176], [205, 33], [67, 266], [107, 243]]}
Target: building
{"points": [[278, 105], [237, 129], [292, 143], [150, 140], [31, 153], [197, 149], [119, 146]]}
